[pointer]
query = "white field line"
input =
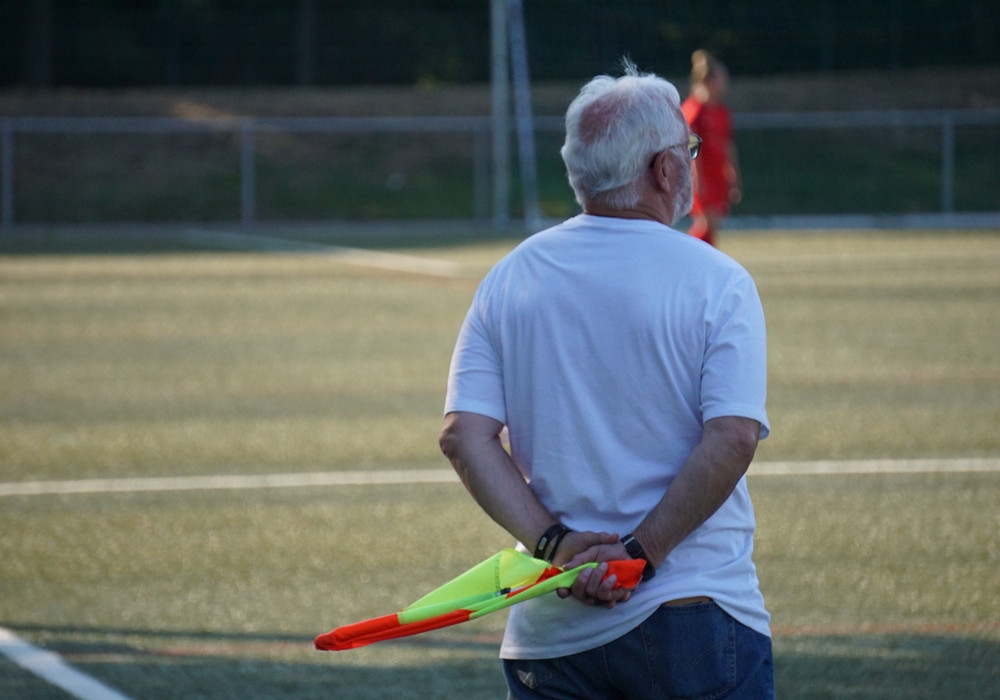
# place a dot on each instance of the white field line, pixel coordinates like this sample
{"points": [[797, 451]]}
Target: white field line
{"points": [[440, 476], [395, 262], [876, 466], [51, 667], [228, 482]]}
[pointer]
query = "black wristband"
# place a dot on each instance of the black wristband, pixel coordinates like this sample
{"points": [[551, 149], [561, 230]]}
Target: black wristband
{"points": [[555, 544], [636, 551], [546, 539]]}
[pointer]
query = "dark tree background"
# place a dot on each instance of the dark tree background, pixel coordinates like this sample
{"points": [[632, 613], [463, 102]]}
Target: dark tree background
{"points": [[112, 43]]}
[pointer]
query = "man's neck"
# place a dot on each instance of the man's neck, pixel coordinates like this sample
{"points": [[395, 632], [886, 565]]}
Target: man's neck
{"points": [[638, 212]]}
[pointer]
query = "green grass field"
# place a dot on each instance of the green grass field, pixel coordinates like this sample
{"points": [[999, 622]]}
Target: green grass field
{"points": [[882, 345]]}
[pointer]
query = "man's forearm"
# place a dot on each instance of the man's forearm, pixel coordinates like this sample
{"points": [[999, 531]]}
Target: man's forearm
{"points": [[471, 443], [707, 479]]}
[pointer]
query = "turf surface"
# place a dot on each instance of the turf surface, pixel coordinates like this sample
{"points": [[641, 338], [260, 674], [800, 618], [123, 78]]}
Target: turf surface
{"points": [[882, 345]]}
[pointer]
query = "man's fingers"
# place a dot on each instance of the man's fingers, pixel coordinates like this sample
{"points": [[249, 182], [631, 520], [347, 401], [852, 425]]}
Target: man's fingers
{"points": [[593, 586], [579, 588], [597, 584], [606, 551], [579, 547]]}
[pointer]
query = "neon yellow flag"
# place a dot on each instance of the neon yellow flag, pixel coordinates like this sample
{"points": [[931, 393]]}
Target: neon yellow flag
{"points": [[506, 578]]}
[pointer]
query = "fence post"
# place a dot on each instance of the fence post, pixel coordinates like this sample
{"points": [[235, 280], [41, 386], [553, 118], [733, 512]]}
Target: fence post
{"points": [[500, 89], [248, 174], [7, 175], [522, 111], [480, 174], [948, 164]]}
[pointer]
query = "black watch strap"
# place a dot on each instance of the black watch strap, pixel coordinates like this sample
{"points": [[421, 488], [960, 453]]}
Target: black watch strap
{"points": [[636, 551]]}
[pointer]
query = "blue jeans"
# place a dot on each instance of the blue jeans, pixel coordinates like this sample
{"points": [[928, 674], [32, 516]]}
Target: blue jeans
{"points": [[690, 651]]}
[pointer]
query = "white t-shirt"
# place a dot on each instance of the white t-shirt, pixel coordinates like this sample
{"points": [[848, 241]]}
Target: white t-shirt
{"points": [[604, 345]]}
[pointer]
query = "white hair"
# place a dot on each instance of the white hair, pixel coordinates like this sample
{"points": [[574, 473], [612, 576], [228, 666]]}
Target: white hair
{"points": [[614, 128]]}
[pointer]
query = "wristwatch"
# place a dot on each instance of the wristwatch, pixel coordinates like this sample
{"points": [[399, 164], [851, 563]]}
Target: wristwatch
{"points": [[635, 551]]}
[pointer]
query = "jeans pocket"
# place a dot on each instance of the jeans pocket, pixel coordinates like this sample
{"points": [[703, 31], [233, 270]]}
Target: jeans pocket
{"points": [[532, 674], [691, 651]]}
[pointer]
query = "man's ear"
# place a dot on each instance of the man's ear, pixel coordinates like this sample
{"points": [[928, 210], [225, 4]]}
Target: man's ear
{"points": [[663, 166]]}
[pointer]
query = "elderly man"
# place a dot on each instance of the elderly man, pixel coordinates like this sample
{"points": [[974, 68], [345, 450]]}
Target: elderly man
{"points": [[628, 362]]}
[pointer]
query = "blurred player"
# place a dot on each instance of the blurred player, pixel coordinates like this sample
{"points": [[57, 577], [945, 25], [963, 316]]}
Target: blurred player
{"points": [[716, 172]]}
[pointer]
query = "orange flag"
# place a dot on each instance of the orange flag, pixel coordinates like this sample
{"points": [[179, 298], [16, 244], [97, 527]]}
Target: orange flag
{"points": [[507, 578]]}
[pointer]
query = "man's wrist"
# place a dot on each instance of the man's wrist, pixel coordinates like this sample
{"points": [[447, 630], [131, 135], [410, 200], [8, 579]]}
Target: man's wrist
{"points": [[636, 551], [550, 541]]}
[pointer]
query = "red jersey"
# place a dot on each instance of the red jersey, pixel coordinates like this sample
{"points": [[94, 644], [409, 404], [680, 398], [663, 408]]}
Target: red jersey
{"points": [[713, 171]]}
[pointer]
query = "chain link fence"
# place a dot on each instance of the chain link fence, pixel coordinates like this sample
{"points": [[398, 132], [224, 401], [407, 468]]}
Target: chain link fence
{"points": [[65, 170]]}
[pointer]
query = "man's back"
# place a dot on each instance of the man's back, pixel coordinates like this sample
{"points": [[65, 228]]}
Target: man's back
{"points": [[600, 329]]}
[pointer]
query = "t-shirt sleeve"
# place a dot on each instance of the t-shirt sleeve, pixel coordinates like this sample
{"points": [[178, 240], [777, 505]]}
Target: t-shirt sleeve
{"points": [[734, 373], [475, 380]]}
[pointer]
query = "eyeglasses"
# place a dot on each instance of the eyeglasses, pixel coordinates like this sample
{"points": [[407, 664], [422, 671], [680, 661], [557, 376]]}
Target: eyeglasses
{"points": [[693, 145]]}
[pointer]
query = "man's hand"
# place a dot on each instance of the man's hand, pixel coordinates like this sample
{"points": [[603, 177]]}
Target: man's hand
{"points": [[575, 545], [590, 587]]}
